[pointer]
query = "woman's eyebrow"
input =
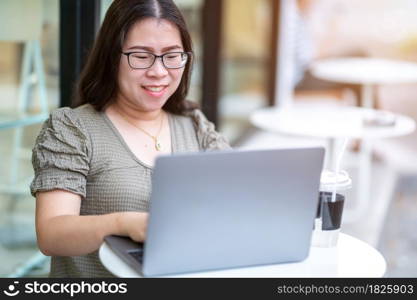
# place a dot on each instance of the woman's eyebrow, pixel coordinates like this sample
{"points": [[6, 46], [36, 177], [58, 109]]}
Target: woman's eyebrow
{"points": [[150, 49]]}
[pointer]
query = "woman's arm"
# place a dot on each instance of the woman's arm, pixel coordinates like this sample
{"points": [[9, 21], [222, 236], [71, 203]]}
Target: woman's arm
{"points": [[61, 231]]}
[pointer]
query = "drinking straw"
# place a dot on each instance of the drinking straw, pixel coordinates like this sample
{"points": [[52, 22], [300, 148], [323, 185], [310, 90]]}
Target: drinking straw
{"points": [[338, 161]]}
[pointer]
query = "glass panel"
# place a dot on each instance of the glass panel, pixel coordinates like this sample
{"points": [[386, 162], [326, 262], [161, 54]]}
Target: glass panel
{"points": [[191, 10], [103, 7], [28, 91], [246, 40]]}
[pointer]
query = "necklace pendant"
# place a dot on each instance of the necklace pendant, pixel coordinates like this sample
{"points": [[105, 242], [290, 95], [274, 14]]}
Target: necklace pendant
{"points": [[158, 146]]}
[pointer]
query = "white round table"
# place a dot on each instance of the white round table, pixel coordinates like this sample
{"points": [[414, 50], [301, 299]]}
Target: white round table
{"points": [[366, 72], [334, 123], [351, 258], [330, 122]]}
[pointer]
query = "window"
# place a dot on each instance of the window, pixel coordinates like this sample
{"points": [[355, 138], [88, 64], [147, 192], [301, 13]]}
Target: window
{"points": [[29, 89]]}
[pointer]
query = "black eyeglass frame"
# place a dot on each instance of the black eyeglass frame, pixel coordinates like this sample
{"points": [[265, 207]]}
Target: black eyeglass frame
{"points": [[189, 56]]}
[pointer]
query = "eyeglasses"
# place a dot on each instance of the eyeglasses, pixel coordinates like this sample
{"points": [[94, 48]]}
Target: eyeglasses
{"points": [[145, 60]]}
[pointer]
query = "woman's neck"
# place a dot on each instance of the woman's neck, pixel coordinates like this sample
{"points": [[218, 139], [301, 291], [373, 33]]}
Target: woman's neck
{"points": [[136, 115]]}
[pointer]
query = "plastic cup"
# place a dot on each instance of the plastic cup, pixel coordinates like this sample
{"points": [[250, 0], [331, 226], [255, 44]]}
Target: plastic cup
{"points": [[332, 196]]}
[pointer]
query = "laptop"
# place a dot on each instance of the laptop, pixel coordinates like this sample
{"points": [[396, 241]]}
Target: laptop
{"points": [[227, 209]]}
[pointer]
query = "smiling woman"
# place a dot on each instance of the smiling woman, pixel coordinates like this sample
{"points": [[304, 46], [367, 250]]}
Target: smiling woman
{"points": [[93, 163], [146, 83]]}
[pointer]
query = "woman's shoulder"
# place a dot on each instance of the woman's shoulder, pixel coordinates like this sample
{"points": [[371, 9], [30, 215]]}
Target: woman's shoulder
{"points": [[194, 116], [193, 119], [71, 113], [208, 137], [72, 123], [63, 117], [70, 117]]}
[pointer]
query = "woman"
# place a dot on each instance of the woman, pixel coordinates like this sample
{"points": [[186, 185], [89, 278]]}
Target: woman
{"points": [[93, 163]]}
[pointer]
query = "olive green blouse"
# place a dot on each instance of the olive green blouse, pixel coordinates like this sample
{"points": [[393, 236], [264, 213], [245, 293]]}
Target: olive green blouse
{"points": [[80, 150]]}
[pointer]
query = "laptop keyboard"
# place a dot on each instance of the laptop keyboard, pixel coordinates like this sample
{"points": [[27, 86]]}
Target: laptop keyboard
{"points": [[137, 254]]}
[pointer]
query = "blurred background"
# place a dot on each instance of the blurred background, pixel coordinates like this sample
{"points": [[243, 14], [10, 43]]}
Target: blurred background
{"points": [[250, 54]]}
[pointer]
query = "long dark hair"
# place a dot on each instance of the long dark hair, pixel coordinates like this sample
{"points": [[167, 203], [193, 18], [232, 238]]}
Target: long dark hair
{"points": [[98, 83]]}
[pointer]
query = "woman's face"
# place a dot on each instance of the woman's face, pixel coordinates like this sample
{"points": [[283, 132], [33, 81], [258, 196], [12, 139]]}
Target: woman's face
{"points": [[147, 90]]}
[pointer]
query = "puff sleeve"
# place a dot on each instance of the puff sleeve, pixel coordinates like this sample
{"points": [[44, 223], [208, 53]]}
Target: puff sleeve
{"points": [[61, 154], [207, 136]]}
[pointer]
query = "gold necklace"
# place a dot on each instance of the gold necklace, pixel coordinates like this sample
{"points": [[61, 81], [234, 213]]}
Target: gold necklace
{"points": [[158, 146]]}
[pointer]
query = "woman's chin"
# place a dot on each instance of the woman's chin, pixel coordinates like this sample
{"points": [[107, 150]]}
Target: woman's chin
{"points": [[150, 106]]}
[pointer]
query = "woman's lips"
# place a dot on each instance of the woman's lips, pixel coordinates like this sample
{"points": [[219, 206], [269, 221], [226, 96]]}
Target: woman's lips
{"points": [[155, 90]]}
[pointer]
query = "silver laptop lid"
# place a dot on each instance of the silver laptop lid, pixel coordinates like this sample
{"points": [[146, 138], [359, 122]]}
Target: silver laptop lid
{"points": [[230, 209]]}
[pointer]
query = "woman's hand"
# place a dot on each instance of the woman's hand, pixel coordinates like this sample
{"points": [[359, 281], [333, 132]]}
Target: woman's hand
{"points": [[134, 225]]}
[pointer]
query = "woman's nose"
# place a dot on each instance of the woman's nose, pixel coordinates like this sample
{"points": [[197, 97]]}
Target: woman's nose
{"points": [[157, 69]]}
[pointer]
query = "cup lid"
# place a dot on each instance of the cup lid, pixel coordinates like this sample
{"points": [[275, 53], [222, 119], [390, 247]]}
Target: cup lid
{"points": [[330, 180]]}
